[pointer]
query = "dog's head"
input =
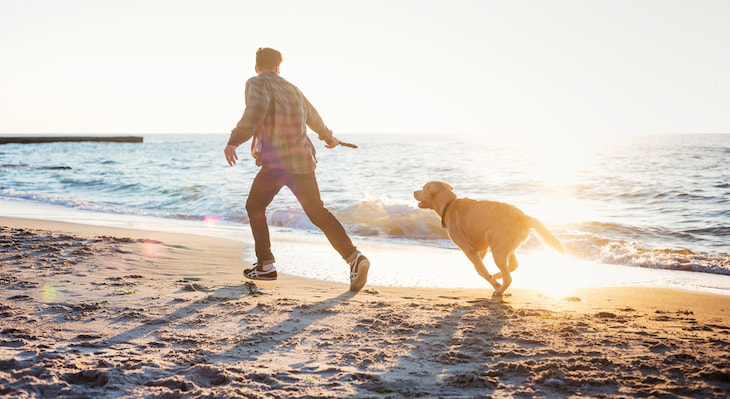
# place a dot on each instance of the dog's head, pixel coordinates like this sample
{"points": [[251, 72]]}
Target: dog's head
{"points": [[434, 195]]}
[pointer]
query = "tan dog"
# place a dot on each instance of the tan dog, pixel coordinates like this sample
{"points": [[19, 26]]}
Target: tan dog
{"points": [[476, 226]]}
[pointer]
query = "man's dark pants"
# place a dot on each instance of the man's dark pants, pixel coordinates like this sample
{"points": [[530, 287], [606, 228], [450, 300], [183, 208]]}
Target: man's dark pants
{"points": [[264, 188]]}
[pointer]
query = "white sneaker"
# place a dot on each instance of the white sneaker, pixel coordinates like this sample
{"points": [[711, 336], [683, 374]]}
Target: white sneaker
{"points": [[258, 273], [359, 272]]}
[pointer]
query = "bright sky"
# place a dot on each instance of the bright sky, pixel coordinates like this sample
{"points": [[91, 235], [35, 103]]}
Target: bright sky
{"points": [[489, 67]]}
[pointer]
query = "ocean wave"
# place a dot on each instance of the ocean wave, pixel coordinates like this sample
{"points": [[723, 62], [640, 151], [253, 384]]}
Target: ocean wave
{"points": [[393, 220], [65, 202], [632, 254], [371, 218], [46, 199], [719, 231], [626, 246]]}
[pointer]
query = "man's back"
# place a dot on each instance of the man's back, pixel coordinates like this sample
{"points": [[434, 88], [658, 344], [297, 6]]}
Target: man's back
{"points": [[277, 115], [282, 135]]}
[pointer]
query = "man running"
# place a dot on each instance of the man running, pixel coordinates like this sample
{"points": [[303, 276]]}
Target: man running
{"points": [[276, 117]]}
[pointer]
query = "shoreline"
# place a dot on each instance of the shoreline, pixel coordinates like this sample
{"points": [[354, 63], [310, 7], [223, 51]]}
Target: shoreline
{"points": [[396, 264], [115, 312]]}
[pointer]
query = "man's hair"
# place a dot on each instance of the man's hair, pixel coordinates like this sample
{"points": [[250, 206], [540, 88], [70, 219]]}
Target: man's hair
{"points": [[268, 58]]}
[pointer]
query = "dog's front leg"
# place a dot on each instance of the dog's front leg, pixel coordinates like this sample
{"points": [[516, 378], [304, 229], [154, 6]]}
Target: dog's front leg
{"points": [[479, 266]]}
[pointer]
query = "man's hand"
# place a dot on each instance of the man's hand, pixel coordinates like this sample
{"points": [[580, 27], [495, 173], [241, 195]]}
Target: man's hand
{"points": [[332, 143], [231, 156]]}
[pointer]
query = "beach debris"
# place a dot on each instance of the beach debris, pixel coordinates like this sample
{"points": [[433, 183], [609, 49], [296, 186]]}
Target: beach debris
{"points": [[195, 287], [253, 289], [89, 336], [606, 315], [572, 299], [21, 297]]}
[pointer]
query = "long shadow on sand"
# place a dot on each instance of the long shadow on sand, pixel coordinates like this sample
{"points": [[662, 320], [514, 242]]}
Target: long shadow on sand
{"points": [[294, 322], [445, 336]]}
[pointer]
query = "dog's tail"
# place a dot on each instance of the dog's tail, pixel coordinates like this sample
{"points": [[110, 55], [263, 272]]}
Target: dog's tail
{"points": [[546, 235]]}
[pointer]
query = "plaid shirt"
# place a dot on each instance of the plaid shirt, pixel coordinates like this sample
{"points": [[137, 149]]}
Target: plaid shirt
{"points": [[276, 116]]}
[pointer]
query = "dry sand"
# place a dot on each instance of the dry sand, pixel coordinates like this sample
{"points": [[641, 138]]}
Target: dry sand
{"points": [[99, 312]]}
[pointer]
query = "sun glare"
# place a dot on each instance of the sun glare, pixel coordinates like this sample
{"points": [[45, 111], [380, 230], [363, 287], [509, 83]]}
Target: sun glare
{"points": [[558, 160], [557, 164], [563, 209], [554, 275]]}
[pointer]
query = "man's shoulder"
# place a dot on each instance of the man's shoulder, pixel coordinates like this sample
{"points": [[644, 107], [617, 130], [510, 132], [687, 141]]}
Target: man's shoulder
{"points": [[260, 83], [273, 78], [273, 82], [255, 80]]}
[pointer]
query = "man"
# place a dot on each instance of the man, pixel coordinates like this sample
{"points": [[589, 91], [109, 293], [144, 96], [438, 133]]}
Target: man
{"points": [[276, 117]]}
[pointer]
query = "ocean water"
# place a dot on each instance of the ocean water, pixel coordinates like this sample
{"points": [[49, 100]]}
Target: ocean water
{"points": [[644, 201]]}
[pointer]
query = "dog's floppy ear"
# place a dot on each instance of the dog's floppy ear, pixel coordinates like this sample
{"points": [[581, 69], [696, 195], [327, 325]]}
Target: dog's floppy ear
{"points": [[441, 184]]}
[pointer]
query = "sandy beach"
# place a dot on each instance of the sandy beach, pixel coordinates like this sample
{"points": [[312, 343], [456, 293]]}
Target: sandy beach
{"points": [[91, 311]]}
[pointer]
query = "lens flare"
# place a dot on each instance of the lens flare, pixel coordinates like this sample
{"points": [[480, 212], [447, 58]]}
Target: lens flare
{"points": [[153, 249], [49, 293], [210, 220]]}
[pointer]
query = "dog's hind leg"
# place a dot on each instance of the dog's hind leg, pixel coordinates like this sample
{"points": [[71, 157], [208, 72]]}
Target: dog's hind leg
{"points": [[476, 259], [503, 261], [513, 265]]}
